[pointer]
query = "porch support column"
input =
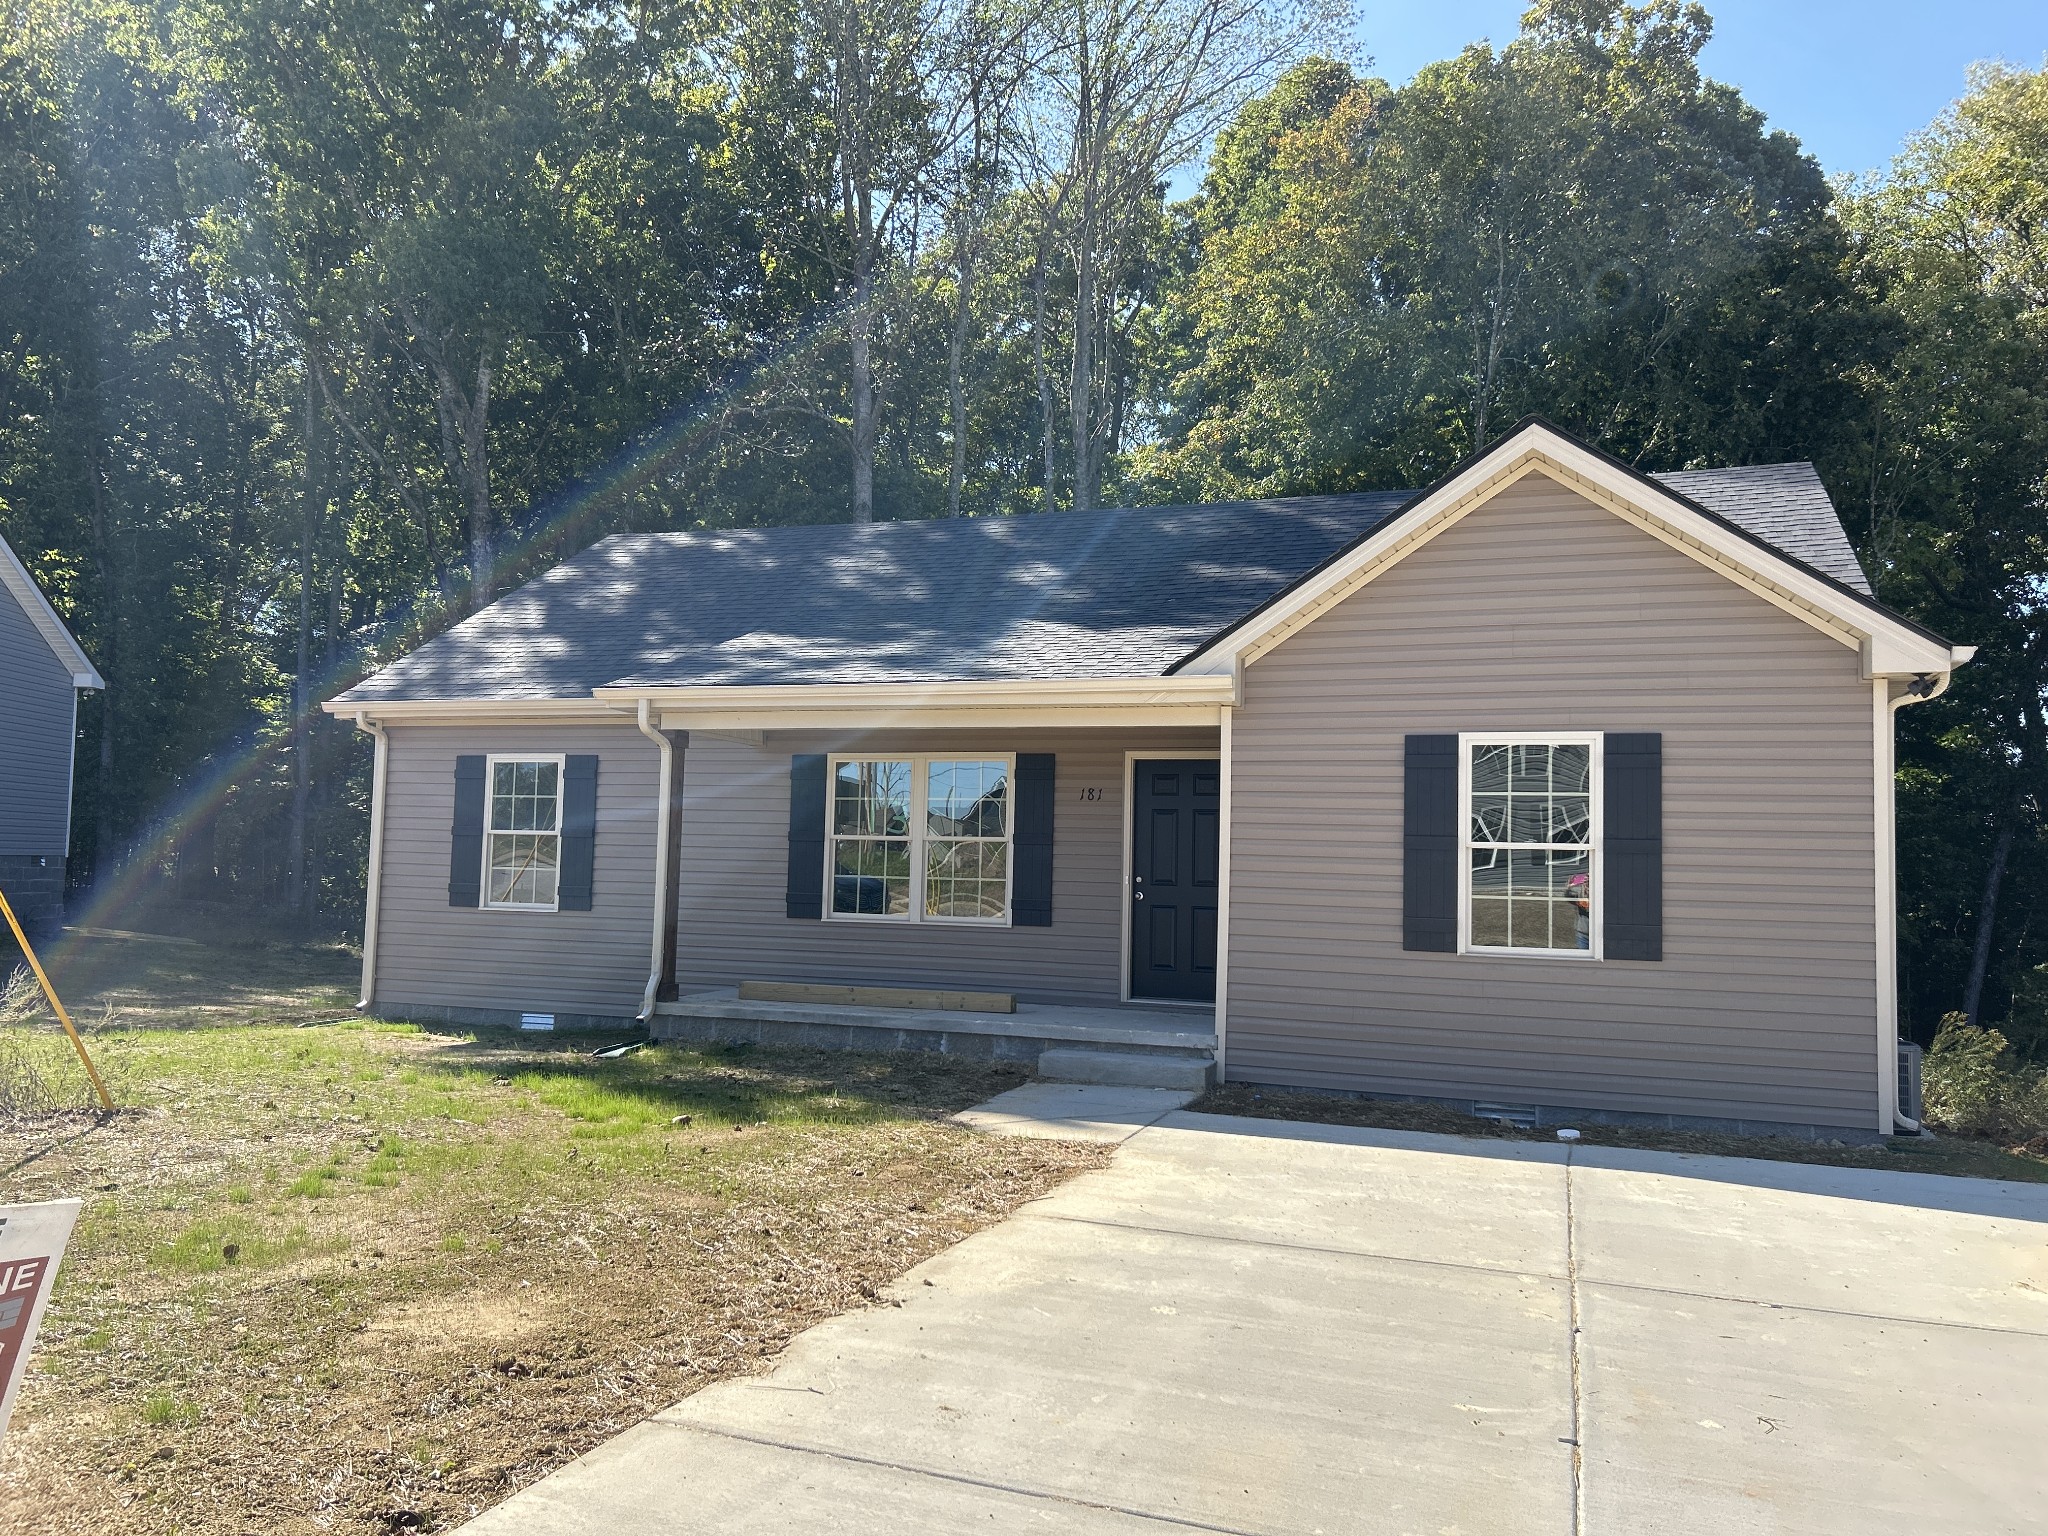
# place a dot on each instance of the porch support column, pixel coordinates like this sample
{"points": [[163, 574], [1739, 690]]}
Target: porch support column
{"points": [[1223, 899]]}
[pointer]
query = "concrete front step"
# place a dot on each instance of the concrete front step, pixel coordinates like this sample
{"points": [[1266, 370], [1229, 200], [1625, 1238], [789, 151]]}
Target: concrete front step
{"points": [[721, 1016], [1128, 1069]]}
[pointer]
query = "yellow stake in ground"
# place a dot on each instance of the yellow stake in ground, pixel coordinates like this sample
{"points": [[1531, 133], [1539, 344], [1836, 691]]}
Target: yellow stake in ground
{"points": [[71, 1029]]}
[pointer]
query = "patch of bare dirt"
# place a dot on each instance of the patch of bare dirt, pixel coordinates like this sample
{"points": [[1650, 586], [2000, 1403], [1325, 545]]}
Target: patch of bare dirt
{"points": [[1960, 1157], [413, 1352]]}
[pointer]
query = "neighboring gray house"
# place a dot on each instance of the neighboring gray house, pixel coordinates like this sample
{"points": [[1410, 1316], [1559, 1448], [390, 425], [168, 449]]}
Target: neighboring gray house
{"points": [[1554, 787], [41, 671]]}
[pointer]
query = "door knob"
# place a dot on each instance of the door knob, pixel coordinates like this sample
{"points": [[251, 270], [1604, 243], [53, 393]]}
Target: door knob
{"points": [[1141, 896]]}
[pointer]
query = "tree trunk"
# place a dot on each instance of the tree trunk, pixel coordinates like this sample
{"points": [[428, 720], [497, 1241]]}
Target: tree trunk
{"points": [[863, 402], [857, 213], [302, 779], [1489, 351], [104, 835], [399, 478], [483, 574], [1987, 915], [1038, 324], [1080, 398], [956, 390]]}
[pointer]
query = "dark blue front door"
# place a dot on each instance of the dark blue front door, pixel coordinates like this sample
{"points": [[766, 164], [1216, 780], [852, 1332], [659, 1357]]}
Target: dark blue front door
{"points": [[1176, 816]]}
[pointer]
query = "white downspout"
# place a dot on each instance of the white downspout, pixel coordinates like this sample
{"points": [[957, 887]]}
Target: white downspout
{"points": [[661, 815], [1889, 895], [379, 772]]}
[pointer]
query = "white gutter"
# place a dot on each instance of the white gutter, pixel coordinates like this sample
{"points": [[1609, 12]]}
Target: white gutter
{"points": [[661, 822], [1889, 895], [380, 770], [1052, 693]]}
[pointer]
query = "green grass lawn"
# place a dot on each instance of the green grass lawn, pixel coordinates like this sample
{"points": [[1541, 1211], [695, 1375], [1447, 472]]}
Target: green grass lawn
{"points": [[357, 1277]]}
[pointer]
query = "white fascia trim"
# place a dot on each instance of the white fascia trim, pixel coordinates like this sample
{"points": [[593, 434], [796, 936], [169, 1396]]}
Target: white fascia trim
{"points": [[755, 722], [68, 652], [1897, 648], [1043, 693], [478, 711], [1021, 701], [1105, 701]]}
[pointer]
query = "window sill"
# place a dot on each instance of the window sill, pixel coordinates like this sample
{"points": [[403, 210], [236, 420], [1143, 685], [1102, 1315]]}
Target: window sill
{"points": [[906, 920], [1530, 954]]}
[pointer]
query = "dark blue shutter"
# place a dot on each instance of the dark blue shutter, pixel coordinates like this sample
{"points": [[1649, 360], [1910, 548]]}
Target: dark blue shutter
{"points": [[805, 895], [466, 835], [1031, 841], [1632, 863], [1429, 845], [579, 832]]}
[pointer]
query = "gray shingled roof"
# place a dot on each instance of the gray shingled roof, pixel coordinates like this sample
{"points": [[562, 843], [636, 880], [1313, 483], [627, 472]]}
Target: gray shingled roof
{"points": [[1785, 505], [1116, 593]]}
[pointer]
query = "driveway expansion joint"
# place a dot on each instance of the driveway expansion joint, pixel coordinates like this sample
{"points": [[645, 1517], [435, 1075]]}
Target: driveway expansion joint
{"points": [[854, 1458], [1814, 1309], [1502, 1271], [1031, 1212], [1571, 1266]]}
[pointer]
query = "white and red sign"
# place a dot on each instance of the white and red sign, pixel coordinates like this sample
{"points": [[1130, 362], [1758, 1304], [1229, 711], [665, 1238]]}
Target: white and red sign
{"points": [[32, 1239]]}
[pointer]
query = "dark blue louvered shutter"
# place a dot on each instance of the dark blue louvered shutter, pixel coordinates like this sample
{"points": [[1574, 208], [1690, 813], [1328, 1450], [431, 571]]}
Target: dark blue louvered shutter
{"points": [[1031, 841], [805, 894], [1429, 845], [466, 834], [579, 832], [1632, 865]]}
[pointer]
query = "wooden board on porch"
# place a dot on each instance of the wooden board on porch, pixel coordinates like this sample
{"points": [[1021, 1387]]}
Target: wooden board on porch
{"points": [[877, 997]]}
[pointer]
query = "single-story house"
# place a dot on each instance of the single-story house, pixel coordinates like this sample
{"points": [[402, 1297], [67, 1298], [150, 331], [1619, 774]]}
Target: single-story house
{"points": [[1556, 789], [42, 670]]}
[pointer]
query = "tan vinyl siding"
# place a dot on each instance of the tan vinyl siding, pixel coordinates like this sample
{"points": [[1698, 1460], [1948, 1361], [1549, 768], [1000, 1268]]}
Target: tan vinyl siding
{"points": [[734, 863], [37, 703], [1542, 612], [433, 955]]}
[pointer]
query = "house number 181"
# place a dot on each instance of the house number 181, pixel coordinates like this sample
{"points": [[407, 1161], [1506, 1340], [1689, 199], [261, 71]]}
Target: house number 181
{"points": [[1091, 794]]}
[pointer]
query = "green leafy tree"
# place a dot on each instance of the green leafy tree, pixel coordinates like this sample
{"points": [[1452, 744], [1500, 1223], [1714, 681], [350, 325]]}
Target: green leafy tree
{"points": [[1387, 277], [1955, 466]]}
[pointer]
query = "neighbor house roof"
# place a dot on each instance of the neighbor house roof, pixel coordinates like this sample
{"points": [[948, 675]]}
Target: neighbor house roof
{"points": [[1061, 596], [14, 577]]}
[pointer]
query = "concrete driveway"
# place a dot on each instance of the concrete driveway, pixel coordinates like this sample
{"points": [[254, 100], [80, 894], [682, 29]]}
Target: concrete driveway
{"points": [[1248, 1326]]}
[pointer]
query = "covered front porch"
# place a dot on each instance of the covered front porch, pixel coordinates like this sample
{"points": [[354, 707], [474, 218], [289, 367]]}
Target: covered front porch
{"points": [[1066, 849]]}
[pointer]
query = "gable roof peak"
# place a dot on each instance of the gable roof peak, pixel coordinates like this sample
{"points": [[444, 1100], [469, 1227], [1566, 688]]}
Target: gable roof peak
{"points": [[15, 577], [1838, 601]]}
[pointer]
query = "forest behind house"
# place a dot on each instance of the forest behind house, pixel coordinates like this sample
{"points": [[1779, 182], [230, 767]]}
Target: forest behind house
{"points": [[324, 321]]}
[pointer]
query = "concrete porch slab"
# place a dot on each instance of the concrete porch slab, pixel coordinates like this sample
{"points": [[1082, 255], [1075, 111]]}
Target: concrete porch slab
{"points": [[1041, 1025]]}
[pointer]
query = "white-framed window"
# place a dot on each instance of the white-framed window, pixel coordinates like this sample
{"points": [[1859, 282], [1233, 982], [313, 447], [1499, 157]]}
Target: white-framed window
{"points": [[523, 833], [919, 839], [1529, 867]]}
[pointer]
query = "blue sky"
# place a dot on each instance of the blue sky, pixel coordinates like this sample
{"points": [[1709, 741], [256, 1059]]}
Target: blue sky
{"points": [[1849, 78]]}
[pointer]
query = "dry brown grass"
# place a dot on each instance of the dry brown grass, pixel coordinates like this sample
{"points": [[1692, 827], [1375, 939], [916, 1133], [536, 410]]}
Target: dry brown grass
{"points": [[373, 1279]]}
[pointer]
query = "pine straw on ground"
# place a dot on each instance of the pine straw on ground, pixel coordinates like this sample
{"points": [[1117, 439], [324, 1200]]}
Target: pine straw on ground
{"points": [[1961, 1157], [365, 1279]]}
